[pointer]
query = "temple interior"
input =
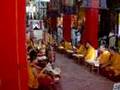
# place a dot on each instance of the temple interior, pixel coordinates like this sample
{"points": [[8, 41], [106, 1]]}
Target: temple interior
{"points": [[60, 45]]}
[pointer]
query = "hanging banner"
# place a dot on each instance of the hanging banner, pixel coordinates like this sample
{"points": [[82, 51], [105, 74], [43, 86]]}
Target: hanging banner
{"points": [[94, 3], [54, 4], [68, 6], [90, 4], [69, 10], [68, 3], [45, 0], [86, 3], [103, 4]]}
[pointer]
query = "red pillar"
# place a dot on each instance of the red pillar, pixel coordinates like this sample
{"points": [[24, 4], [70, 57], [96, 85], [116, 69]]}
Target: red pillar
{"points": [[91, 26], [67, 27], [90, 33], [13, 66]]}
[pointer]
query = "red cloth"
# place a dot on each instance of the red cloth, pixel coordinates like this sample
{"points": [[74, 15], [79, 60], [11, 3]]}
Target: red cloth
{"points": [[45, 81]]}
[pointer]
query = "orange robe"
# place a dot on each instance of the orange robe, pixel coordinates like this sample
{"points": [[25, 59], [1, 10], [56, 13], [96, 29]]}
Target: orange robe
{"points": [[114, 64], [104, 57], [32, 79]]}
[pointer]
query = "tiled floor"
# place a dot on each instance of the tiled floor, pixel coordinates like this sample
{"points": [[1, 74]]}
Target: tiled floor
{"points": [[76, 77]]}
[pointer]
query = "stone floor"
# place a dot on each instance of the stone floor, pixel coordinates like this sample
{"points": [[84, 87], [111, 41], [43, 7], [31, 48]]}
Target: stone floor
{"points": [[77, 77]]}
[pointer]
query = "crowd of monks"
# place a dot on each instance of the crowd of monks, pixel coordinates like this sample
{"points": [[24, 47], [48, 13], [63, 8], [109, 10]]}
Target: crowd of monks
{"points": [[106, 61], [41, 60], [42, 71]]}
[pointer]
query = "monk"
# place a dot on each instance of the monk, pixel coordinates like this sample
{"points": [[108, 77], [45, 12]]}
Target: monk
{"points": [[112, 67], [68, 49], [68, 45], [79, 51], [104, 56], [32, 74], [90, 55]]}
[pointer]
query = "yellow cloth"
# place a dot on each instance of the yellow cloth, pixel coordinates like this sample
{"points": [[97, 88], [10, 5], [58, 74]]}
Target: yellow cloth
{"points": [[81, 50], [104, 57], [68, 46], [90, 54], [32, 80]]}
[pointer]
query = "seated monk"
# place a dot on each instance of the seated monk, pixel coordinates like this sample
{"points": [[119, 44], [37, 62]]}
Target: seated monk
{"points": [[39, 78], [104, 56], [113, 66], [90, 55], [68, 47], [48, 76], [80, 51], [32, 74], [30, 43], [42, 48]]}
